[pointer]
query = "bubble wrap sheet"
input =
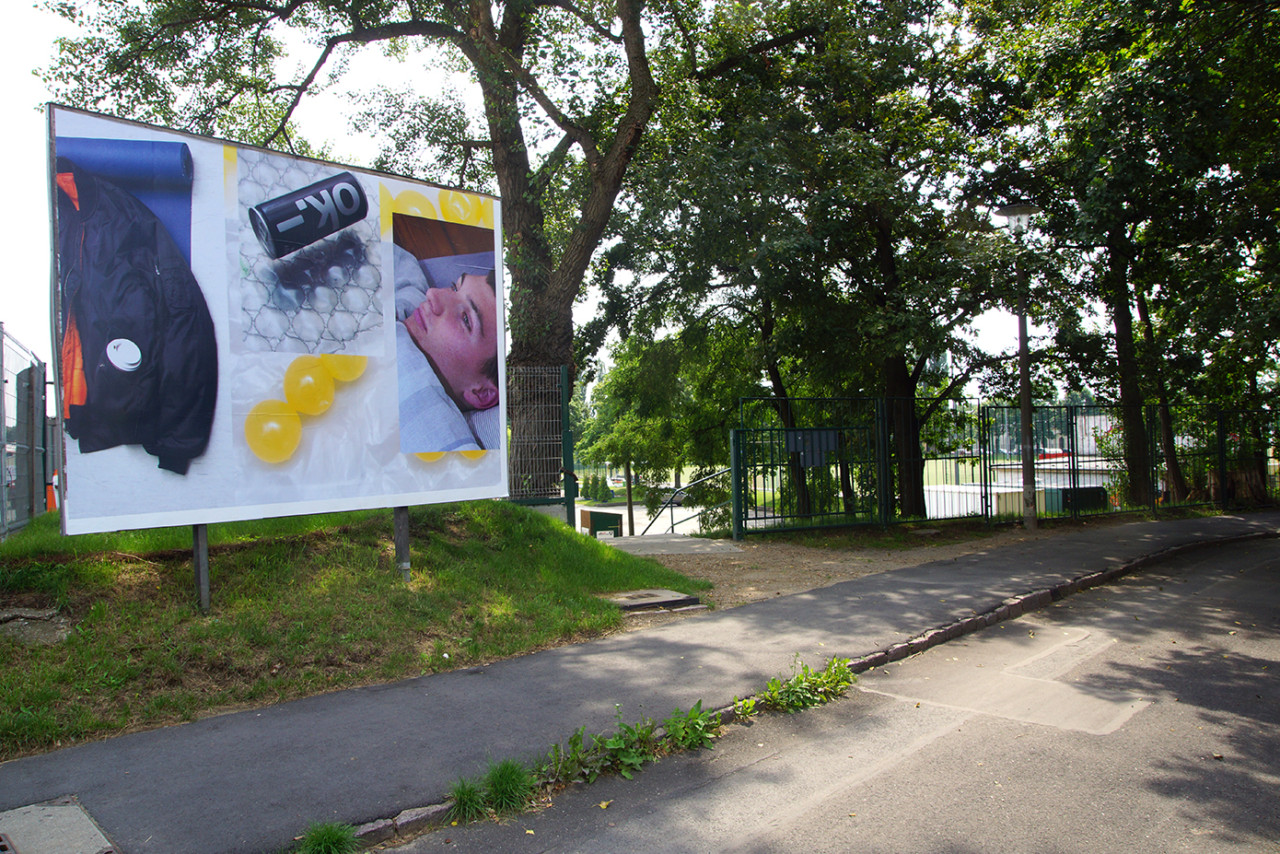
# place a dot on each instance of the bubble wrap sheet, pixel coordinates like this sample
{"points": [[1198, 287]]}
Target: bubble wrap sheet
{"points": [[321, 299]]}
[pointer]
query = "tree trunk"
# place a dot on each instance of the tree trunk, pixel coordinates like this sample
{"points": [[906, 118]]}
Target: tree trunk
{"points": [[904, 432], [786, 414], [543, 287], [1177, 482], [1136, 459]]}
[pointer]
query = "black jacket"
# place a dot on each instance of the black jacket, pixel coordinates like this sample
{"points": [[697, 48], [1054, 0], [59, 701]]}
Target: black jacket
{"points": [[123, 279]]}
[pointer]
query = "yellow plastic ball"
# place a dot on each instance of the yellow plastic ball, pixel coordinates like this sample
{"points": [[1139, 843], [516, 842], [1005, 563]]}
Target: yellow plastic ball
{"points": [[472, 455], [344, 368], [308, 385], [273, 430], [430, 456]]}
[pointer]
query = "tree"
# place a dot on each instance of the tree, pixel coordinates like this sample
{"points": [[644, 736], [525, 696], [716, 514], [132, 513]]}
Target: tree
{"points": [[1148, 121], [213, 66], [815, 197]]}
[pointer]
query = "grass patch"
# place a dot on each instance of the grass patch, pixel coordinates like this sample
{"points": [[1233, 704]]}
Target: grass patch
{"points": [[329, 838], [300, 607], [508, 786], [466, 802]]}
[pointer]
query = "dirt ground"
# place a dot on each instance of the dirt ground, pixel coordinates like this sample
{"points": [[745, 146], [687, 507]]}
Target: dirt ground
{"points": [[764, 569]]}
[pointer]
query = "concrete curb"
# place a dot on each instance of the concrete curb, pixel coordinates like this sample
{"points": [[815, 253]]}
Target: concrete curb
{"points": [[418, 820]]}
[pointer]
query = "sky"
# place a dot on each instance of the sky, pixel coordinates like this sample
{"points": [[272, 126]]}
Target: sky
{"points": [[24, 289]]}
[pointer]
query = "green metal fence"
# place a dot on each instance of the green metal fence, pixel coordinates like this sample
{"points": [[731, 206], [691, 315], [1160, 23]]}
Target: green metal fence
{"points": [[25, 469], [835, 462]]}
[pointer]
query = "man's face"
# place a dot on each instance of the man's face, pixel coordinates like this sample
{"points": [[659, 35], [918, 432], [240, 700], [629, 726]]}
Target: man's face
{"points": [[456, 328]]}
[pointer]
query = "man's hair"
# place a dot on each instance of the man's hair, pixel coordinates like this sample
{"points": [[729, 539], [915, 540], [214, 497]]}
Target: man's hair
{"points": [[491, 364]]}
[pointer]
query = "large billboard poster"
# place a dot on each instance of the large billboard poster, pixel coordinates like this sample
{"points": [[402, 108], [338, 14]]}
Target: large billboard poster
{"points": [[240, 333]]}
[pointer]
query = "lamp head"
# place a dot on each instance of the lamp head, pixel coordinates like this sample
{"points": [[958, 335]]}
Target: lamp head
{"points": [[1019, 215]]}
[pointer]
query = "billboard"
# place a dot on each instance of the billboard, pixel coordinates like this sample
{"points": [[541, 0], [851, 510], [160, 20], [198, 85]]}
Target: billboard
{"points": [[239, 333]]}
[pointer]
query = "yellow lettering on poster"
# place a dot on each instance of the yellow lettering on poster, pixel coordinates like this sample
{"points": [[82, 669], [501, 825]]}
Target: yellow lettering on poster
{"points": [[466, 209], [230, 162]]}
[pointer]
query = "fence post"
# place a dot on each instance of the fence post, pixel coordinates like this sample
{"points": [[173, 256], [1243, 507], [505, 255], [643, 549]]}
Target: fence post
{"points": [[735, 485], [1154, 458], [984, 461], [1073, 463], [34, 430], [884, 485], [566, 449], [4, 448]]}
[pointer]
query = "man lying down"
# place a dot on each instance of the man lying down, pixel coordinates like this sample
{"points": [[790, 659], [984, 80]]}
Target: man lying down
{"points": [[446, 352]]}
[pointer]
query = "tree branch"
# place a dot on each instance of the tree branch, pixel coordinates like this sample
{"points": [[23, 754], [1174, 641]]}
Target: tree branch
{"points": [[726, 65], [358, 35], [594, 25], [579, 134]]}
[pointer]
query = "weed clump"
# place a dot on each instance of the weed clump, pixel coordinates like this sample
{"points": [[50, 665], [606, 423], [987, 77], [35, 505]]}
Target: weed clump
{"points": [[807, 687], [329, 838], [466, 802], [508, 787]]}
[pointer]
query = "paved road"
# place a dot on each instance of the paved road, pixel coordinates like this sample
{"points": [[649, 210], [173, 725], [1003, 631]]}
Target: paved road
{"points": [[249, 782], [1143, 716]]}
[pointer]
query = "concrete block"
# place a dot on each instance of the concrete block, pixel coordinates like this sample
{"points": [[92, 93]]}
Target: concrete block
{"points": [[875, 659], [375, 832], [420, 819]]}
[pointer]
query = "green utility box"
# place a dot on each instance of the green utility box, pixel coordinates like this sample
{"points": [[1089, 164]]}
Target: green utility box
{"points": [[596, 521], [1080, 499]]}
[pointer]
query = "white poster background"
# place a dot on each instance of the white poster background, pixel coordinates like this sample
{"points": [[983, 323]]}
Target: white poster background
{"points": [[349, 456]]}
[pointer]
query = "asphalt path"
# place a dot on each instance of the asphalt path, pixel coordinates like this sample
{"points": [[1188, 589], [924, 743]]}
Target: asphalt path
{"points": [[249, 782], [1143, 716]]}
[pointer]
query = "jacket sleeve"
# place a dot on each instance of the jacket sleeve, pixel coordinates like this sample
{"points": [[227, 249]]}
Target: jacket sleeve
{"points": [[188, 386]]}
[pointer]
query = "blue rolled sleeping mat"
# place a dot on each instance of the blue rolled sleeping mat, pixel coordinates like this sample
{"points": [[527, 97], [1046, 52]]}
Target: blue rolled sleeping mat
{"points": [[158, 174]]}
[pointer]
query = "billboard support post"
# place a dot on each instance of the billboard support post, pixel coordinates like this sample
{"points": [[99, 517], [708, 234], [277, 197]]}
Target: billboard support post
{"points": [[200, 559], [402, 541]]}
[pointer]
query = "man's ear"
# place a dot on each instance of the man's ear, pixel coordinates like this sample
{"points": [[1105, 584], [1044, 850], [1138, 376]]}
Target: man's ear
{"points": [[481, 394]]}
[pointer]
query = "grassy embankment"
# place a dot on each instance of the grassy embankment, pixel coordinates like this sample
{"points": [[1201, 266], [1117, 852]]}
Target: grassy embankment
{"points": [[300, 606]]}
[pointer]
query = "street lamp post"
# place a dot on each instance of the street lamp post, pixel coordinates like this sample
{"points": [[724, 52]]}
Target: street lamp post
{"points": [[1019, 216]]}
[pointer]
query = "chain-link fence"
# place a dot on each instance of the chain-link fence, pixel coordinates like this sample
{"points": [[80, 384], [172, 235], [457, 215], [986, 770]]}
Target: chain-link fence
{"points": [[541, 450], [22, 475]]}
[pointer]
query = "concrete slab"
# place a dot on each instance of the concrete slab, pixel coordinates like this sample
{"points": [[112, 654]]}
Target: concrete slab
{"points": [[635, 600], [960, 676], [56, 827]]}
